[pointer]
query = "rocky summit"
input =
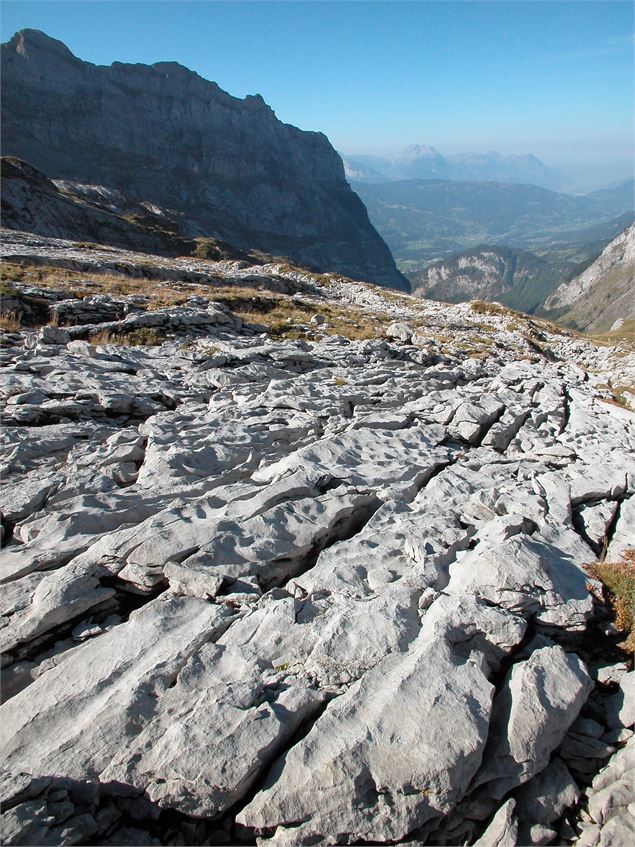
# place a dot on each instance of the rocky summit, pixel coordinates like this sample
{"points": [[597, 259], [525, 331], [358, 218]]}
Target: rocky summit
{"points": [[293, 560], [162, 135], [601, 297]]}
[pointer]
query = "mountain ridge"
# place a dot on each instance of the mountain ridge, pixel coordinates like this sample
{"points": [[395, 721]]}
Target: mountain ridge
{"points": [[516, 278], [602, 295], [162, 134], [421, 161]]}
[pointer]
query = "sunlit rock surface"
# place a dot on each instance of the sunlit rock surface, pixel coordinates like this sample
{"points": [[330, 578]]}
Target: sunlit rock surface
{"points": [[306, 590]]}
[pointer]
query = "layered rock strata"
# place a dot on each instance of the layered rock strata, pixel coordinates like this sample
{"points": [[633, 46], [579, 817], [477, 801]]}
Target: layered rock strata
{"points": [[163, 135]]}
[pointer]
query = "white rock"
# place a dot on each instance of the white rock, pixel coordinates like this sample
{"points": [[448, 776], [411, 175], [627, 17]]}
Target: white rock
{"points": [[75, 718], [539, 700], [620, 707], [214, 732], [370, 752], [503, 829], [546, 797]]}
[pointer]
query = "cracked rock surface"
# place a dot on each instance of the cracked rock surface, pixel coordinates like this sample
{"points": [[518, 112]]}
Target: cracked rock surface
{"points": [[311, 591]]}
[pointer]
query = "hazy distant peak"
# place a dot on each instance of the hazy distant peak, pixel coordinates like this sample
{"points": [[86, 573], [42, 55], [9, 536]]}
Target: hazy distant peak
{"points": [[418, 151], [421, 161]]}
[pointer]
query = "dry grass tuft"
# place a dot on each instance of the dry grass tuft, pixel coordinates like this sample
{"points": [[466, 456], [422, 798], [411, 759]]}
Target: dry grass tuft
{"points": [[142, 337], [621, 395], [483, 308], [101, 338], [618, 580], [287, 318], [79, 284], [10, 322]]}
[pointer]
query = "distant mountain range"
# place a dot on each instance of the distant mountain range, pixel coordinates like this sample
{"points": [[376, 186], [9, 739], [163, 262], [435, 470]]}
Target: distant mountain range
{"points": [[422, 162], [588, 295], [426, 220]]}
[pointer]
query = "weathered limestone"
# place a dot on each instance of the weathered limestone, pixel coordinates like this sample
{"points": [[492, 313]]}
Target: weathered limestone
{"points": [[306, 591], [540, 699], [371, 746], [73, 719]]}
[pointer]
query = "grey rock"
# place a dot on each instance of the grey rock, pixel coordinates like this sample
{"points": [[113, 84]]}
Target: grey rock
{"points": [[303, 213], [545, 797], [536, 834], [471, 420], [540, 699], [620, 708], [524, 574], [503, 829], [53, 335], [622, 538], [577, 746], [42, 727], [27, 823], [327, 551], [400, 332], [344, 773], [187, 759], [617, 735], [193, 581], [611, 672]]}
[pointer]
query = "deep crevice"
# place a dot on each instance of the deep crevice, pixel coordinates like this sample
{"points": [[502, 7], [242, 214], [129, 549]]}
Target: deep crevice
{"points": [[599, 549], [276, 761], [566, 410], [122, 604], [612, 527], [342, 530]]}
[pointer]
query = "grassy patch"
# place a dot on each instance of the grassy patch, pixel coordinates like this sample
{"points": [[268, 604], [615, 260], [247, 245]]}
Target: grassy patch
{"points": [[283, 316], [79, 284], [141, 337], [621, 395], [484, 325], [624, 336], [35, 308], [618, 580], [10, 322], [287, 318], [6, 289], [483, 308], [208, 248]]}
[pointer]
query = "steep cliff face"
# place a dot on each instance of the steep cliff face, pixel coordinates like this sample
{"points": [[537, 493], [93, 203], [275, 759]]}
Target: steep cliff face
{"points": [[515, 277], [33, 203], [163, 134], [603, 294]]}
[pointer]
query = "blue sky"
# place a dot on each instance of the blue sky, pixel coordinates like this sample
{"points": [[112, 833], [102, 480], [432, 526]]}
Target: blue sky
{"points": [[553, 78]]}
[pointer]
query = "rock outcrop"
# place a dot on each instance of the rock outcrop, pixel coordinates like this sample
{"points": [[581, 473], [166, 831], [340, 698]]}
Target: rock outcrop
{"points": [[515, 277], [163, 135], [307, 589], [601, 295], [33, 203]]}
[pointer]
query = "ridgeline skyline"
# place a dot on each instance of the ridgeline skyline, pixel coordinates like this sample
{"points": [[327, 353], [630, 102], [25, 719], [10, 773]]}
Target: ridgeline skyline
{"points": [[551, 79]]}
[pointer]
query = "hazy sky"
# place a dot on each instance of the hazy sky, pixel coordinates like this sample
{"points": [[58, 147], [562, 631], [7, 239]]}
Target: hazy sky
{"points": [[552, 78]]}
